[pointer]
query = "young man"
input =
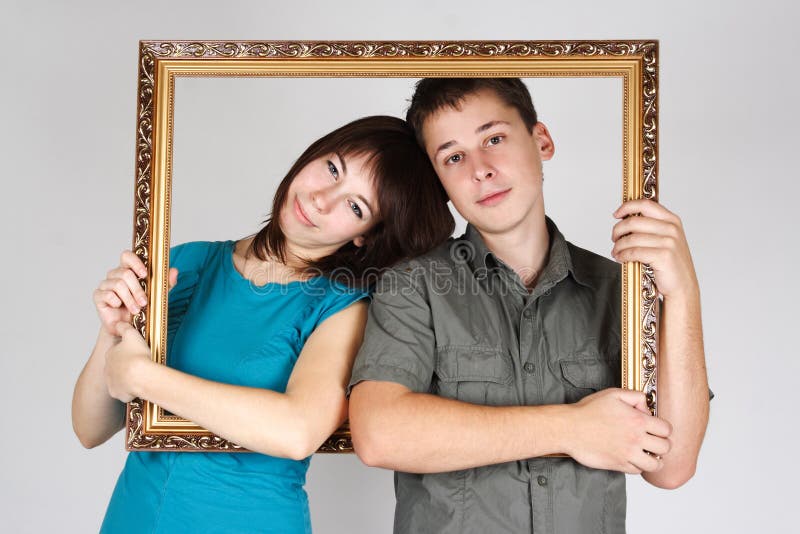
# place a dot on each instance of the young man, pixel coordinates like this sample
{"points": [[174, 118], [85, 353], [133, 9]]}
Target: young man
{"points": [[502, 347]]}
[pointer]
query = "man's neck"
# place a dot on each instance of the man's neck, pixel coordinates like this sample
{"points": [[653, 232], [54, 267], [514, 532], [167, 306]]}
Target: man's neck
{"points": [[524, 248]]}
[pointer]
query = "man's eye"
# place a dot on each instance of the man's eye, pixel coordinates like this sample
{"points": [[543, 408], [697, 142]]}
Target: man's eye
{"points": [[356, 209], [455, 158], [333, 170]]}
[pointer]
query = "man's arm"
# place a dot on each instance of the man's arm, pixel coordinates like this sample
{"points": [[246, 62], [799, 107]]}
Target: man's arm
{"points": [[656, 237], [395, 428]]}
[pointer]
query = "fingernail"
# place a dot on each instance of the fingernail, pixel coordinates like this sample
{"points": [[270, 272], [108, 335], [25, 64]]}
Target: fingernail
{"points": [[142, 301]]}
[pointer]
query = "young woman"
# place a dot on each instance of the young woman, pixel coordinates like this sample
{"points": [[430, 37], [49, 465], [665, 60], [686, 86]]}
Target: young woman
{"points": [[261, 336]]}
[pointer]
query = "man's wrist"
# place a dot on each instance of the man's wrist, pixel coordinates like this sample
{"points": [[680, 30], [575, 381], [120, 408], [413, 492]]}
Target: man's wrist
{"points": [[560, 421]]}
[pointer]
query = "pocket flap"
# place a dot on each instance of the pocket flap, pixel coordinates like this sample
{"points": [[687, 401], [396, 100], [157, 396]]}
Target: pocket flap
{"points": [[473, 364], [588, 374]]}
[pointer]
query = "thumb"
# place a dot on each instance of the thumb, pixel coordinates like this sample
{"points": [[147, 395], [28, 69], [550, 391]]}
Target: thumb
{"points": [[124, 329], [173, 277], [636, 399]]}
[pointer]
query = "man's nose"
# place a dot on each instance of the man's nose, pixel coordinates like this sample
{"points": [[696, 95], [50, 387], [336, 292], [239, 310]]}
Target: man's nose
{"points": [[481, 168]]}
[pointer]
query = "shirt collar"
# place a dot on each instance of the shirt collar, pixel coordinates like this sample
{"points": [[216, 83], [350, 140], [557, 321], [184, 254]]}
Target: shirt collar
{"points": [[559, 260]]}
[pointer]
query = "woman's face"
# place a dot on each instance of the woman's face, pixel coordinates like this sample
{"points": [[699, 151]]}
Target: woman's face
{"points": [[330, 202]]}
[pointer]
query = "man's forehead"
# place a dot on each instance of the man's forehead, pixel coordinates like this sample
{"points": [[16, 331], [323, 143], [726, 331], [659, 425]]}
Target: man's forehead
{"points": [[472, 113]]}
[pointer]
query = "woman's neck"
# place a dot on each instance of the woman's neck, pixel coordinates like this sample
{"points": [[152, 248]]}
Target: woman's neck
{"points": [[271, 270]]}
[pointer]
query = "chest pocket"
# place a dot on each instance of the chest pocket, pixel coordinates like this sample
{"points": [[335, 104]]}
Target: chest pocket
{"points": [[480, 375], [587, 375]]}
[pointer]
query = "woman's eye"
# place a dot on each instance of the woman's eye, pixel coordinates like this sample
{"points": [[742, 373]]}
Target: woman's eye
{"points": [[455, 158], [356, 209], [495, 140], [333, 170]]}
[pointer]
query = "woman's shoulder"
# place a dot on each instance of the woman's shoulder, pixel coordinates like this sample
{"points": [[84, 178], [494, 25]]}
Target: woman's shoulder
{"points": [[335, 288], [197, 253]]}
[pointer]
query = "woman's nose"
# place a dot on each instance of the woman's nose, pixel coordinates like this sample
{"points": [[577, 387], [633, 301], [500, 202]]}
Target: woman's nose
{"points": [[321, 200]]}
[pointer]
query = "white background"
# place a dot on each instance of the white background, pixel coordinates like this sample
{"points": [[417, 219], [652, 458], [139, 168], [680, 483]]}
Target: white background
{"points": [[728, 128]]}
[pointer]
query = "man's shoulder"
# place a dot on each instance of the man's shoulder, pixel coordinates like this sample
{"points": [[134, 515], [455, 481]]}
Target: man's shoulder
{"points": [[592, 265], [427, 273], [442, 257]]}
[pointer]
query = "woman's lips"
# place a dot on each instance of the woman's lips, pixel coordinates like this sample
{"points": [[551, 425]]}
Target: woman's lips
{"points": [[298, 210], [494, 198]]}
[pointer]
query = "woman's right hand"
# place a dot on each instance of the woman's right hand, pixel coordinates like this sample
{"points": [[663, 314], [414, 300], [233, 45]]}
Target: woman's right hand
{"points": [[120, 296]]}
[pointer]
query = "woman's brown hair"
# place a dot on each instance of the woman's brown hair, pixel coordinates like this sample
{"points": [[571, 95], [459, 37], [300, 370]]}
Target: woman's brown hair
{"points": [[414, 217]]}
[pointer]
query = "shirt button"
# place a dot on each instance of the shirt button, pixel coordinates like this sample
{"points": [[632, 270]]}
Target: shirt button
{"points": [[542, 480], [527, 314], [529, 367]]}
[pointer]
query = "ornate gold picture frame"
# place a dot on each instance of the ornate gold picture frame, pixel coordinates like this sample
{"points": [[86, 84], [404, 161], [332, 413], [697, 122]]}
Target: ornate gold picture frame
{"points": [[635, 63]]}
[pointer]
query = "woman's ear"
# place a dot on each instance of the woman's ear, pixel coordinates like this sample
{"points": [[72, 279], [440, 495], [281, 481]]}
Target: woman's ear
{"points": [[359, 241]]}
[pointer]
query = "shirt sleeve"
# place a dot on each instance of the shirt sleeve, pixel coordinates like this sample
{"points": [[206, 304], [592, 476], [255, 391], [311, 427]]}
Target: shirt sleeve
{"points": [[343, 297], [189, 259], [399, 341]]}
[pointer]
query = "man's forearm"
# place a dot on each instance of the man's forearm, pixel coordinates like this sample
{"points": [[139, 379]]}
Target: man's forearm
{"points": [[682, 388], [422, 433]]}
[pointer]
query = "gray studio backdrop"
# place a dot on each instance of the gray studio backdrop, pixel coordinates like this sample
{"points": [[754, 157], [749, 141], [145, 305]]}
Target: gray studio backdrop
{"points": [[728, 134]]}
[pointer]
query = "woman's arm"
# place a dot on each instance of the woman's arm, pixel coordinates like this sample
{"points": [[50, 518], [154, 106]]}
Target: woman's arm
{"points": [[290, 425], [96, 415]]}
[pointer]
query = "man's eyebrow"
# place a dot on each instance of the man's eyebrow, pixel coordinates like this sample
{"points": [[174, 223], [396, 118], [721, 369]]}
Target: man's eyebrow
{"points": [[488, 125], [479, 129], [444, 146], [341, 160]]}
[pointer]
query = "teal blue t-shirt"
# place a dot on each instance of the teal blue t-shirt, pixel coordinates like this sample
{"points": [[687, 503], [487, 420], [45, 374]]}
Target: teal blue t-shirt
{"points": [[223, 328]]}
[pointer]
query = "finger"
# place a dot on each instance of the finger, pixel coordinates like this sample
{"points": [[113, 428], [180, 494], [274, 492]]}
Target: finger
{"points": [[646, 462], [643, 225], [135, 287], [645, 207], [656, 445], [120, 288], [173, 277], [643, 241], [132, 281], [658, 427], [631, 469], [131, 261], [106, 298], [651, 255]]}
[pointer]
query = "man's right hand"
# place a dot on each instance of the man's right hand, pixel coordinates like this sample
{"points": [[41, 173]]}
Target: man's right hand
{"points": [[612, 429]]}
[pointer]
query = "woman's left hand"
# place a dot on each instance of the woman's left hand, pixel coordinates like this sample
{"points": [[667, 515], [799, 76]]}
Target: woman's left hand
{"points": [[125, 363]]}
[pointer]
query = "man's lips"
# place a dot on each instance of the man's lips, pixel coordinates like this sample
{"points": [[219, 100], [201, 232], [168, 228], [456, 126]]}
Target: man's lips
{"points": [[298, 210], [494, 198]]}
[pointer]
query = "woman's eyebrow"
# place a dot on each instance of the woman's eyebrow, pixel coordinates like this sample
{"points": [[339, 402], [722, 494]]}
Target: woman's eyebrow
{"points": [[343, 164], [366, 202]]}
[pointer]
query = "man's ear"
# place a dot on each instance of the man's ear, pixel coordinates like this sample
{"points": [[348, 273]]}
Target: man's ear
{"points": [[359, 241], [543, 140]]}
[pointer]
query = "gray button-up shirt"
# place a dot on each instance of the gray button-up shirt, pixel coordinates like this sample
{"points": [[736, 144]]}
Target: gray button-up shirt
{"points": [[460, 324]]}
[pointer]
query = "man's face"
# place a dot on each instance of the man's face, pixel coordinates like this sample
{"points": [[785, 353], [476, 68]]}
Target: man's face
{"points": [[488, 162]]}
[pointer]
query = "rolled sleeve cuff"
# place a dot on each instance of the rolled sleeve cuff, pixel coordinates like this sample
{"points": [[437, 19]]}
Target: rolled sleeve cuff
{"points": [[387, 373]]}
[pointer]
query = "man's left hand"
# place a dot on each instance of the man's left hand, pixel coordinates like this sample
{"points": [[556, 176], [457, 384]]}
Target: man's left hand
{"points": [[650, 233]]}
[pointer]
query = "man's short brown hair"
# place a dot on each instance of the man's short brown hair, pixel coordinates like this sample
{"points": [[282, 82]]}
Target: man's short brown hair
{"points": [[433, 94]]}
